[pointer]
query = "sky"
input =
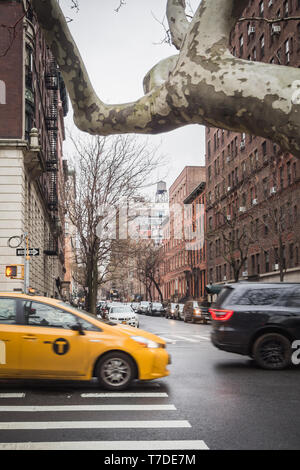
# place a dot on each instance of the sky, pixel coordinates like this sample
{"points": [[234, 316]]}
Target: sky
{"points": [[118, 49]]}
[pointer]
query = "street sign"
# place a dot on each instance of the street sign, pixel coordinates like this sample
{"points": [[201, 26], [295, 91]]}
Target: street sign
{"points": [[31, 251]]}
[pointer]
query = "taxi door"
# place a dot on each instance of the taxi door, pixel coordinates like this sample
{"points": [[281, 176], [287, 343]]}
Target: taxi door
{"points": [[49, 345], [9, 338]]}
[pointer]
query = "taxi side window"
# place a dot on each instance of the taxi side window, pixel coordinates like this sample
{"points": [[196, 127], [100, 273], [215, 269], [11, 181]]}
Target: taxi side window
{"points": [[7, 311], [38, 314]]}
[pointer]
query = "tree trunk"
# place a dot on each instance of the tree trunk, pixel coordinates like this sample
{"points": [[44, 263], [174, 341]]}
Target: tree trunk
{"points": [[158, 290], [92, 284]]}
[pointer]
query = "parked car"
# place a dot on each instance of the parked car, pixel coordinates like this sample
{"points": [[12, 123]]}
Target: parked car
{"points": [[192, 312], [171, 310], [156, 308], [205, 314], [179, 312], [135, 306], [123, 314], [144, 307], [60, 342], [260, 320], [101, 309]]}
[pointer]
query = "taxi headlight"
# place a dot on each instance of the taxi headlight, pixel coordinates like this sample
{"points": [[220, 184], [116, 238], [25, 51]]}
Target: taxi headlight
{"points": [[147, 343]]}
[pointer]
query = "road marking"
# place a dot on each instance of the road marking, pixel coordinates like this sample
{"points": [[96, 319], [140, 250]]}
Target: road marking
{"points": [[168, 340], [125, 395], [12, 395], [185, 338], [88, 408], [201, 337], [106, 445], [94, 425]]}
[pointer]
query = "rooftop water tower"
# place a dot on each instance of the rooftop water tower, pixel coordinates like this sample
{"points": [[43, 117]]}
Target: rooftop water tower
{"points": [[161, 194]]}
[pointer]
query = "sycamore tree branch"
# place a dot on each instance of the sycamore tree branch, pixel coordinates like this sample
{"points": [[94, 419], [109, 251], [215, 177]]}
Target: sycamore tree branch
{"points": [[177, 21], [204, 84]]}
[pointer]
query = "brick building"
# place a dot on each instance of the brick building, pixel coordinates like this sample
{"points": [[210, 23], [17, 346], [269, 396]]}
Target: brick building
{"points": [[252, 187], [33, 104], [181, 268]]}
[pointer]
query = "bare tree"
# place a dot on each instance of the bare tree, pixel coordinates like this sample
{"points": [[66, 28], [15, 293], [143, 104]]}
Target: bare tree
{"points": [[109, 172], [148, 258], [203, 84]]}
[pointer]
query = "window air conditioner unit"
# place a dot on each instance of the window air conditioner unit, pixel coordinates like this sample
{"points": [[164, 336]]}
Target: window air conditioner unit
{"points": [[227, 159], [276, 267], [273, 190], [254, 202], [245, 273], [229, 188], [276, 29], [228, 217], [242, 209], [242, 145], [251, 30]]}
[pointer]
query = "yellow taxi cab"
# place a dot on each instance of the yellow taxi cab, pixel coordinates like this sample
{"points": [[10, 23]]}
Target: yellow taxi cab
{"points": [[47, 338]]}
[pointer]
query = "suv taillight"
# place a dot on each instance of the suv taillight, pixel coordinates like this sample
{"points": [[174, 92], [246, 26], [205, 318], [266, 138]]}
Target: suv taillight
{"points": [[220, 314]]}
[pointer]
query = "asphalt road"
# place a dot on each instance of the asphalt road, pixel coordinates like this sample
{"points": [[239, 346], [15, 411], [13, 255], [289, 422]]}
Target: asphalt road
{"points": [[211, 399]]}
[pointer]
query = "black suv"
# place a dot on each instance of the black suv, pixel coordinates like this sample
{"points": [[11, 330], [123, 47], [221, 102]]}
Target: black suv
{"points": [[261, 320]]}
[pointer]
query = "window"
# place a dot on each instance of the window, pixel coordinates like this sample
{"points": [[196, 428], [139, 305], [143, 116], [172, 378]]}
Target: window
{"points": [[267, 262], [241, 42], [261, 9], [293, 299], [286, 8], [7, 311], [262, 46], [39, 314], [268, 296], [287, 51]]}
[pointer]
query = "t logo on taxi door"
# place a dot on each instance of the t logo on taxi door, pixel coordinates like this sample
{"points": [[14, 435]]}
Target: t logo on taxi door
{"points": [[61, 346]]}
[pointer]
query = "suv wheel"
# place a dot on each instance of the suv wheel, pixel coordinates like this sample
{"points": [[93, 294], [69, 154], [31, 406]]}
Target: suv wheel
{"points": [[272, 351]]}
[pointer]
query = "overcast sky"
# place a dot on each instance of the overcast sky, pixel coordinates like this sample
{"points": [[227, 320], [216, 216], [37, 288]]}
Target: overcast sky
{"points": [[118, 50]]}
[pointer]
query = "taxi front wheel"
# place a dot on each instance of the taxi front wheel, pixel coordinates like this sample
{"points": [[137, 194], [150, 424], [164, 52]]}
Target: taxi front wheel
{"points": [[115, 371]]}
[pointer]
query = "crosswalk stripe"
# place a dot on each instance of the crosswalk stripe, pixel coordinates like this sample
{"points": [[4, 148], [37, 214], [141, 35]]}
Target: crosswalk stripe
{"points": [[87, 408], [12, 395], [94, 425], [167, 340], [201, 337], [185, 338], [106, 445], [125, 395]]}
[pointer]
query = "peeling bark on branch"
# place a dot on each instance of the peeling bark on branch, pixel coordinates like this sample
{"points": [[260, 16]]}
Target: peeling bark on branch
{"points": [[205, 84]]}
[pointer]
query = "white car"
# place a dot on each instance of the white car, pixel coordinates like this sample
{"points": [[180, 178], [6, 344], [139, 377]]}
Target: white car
{"points": [[144, 307], [123, 314]]}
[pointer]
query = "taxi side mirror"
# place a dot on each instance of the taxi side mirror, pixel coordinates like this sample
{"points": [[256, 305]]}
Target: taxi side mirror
{"points": [[78, 327]]}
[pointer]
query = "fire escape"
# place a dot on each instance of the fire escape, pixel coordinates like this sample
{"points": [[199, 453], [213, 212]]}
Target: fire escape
{"points": [[52, 85]]}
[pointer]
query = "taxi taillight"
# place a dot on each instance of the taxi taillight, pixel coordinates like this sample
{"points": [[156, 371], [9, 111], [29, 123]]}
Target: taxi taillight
{"points": [[220, 314]]}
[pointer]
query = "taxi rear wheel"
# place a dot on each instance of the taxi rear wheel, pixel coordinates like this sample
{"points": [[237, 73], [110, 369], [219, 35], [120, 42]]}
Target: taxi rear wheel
{"points": [[116, 371]]}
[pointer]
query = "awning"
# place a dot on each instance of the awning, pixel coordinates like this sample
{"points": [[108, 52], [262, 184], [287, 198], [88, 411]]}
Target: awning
{"points": [[214, 288]]}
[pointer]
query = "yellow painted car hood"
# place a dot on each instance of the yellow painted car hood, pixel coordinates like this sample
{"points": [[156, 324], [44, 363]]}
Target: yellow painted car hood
{"points": [[131, 331]]}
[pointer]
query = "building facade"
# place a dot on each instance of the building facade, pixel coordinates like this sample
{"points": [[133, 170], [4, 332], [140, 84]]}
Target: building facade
{"points": [[252, 187], [182, 254], [32, 110]]}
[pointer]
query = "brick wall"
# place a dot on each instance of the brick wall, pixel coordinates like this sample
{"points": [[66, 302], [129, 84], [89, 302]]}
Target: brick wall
{"points": [[11, 70]]}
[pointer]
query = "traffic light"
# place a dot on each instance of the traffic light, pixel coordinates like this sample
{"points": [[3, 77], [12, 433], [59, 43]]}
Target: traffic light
{"points": [[11, 271]]}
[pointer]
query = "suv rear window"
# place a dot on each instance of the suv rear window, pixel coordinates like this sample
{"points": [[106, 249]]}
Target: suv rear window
{"points": [[222, 296], [266, 296]]}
